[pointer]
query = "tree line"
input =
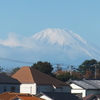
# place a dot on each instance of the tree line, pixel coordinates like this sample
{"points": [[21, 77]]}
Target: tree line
{"points": [[89, 69]]}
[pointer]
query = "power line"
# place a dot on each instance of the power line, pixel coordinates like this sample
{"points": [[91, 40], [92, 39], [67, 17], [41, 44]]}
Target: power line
{"points": [[12, 60], [19, 61]]}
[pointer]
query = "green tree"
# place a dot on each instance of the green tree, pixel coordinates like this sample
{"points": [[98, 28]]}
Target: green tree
{"points": [[14, 70], [63, 77], [90, 65], [44, 67], [66, 76]]}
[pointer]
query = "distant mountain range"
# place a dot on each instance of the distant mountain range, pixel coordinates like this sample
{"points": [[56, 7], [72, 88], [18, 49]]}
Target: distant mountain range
{"points": [[52, 45]]}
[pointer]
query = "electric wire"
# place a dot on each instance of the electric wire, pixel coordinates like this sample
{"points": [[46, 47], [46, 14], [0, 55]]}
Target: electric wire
{"points": [[19, 61], [13, 60]]}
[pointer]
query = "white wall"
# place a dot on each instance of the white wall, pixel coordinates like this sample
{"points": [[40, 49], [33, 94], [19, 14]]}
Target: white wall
{"points": [[28, 88], [78, 89], [8, 87], [82, 91], [74, 86]]}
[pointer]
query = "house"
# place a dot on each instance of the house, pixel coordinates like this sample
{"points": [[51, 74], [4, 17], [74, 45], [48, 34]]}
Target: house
{"points": [[92, 97], [57, 96], [34, 81], [85, 86], [8, 83], [17, 96]]}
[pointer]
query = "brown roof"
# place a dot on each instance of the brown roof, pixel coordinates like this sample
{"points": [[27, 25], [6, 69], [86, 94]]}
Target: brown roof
{"points": [[29, 98], [23, 96], [30, 75], [87, 97]]}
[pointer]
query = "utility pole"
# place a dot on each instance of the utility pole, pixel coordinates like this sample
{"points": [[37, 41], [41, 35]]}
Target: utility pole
{"points": [[95, 65], [58, 68], [70, 69]]}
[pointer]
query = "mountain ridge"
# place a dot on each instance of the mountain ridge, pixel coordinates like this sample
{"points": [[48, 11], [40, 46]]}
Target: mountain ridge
{"points": [[58, 35], [69, 40]]}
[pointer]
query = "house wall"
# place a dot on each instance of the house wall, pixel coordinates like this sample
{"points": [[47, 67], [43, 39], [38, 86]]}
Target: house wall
{"points": [[63, 89], [66, 89], [34, 89], [92, 92], [78, 89], [82, 91], [44, 88], [58, 90], [7, 88], [28, 88], [50, 88]]}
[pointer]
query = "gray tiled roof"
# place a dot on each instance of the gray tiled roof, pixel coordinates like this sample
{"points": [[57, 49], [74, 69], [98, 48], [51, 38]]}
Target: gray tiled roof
{"points": [[4, 79], [59, 95], [84, 84], [87, 83]]}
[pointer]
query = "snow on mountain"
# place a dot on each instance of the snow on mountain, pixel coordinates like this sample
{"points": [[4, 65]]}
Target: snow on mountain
{"points": [[60, 36], [52, 45], [70, 46]]}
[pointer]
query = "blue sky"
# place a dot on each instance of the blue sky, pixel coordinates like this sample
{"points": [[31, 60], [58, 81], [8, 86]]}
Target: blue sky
{"points": [[27, 17]]}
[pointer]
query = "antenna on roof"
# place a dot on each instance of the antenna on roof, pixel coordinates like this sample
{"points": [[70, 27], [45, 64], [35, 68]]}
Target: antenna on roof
{"points": [[95, 65]]}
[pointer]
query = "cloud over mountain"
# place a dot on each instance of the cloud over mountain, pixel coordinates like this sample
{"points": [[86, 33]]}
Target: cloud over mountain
{"points": [[11, 40], [14, 40], [52, 45]]}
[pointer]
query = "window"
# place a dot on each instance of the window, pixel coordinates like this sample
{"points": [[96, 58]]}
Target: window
{"points": [[5, 89], [12, 89]]}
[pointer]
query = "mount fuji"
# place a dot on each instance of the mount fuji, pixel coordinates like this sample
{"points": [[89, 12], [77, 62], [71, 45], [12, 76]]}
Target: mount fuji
{"points": [[64, 46], [52, 45]]}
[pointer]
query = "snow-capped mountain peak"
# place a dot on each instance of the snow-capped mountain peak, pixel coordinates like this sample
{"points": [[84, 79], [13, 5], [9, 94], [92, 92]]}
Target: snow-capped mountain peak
{"points": [[67, 43], [59, 36]]}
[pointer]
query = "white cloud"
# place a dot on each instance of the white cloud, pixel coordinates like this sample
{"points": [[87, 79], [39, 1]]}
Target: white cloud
{"points": [[11, 41], [15, 40]]}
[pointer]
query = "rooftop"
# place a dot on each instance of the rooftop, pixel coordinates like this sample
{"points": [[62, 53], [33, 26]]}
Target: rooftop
{"points": [[59, 96], [4, 79], [87, 83], [30, 75], [22, 96]]}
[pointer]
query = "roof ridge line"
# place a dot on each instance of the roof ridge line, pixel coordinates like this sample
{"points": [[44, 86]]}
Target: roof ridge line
{"points": [[31, 74]]}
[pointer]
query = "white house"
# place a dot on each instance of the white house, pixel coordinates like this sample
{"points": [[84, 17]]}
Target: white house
{"points": [[8, 83], [34, 81], [85, 86]]}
